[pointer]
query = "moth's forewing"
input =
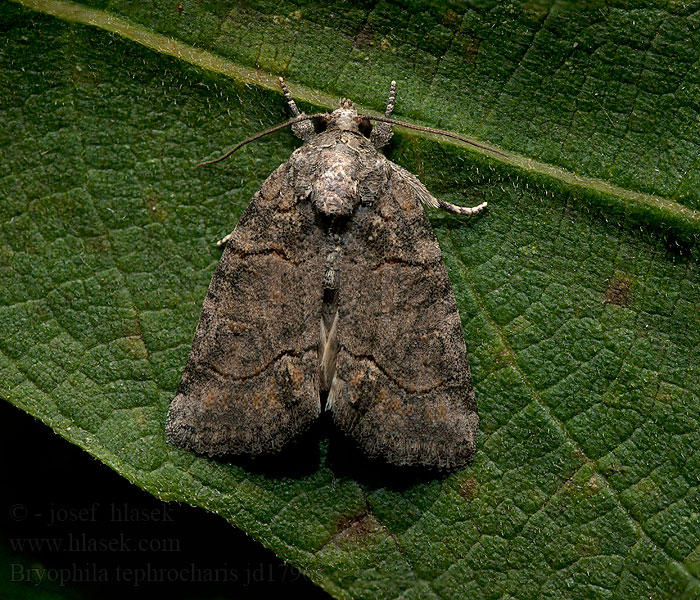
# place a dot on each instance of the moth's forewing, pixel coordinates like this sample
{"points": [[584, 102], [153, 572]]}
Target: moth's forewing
{"points": [[251, 380], [402, 387]]}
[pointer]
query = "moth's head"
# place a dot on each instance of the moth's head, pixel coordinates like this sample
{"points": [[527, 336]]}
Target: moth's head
{"points": [[345, 118]]}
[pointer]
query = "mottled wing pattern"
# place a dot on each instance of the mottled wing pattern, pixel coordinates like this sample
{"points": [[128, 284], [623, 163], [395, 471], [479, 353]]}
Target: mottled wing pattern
{"points": [[402, 386], [251, 380]]}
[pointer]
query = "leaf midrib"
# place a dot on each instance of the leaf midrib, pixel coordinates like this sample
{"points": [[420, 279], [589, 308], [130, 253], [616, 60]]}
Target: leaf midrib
{"points": [[102, 19]]}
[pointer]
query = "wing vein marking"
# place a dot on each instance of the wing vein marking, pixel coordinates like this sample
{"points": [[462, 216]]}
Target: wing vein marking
{"points": [[409, 390], [395, 260], [273, 360], [279, 252]]}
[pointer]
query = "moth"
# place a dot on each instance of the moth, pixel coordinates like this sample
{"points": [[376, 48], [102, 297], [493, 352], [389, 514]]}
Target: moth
{"points": [[331, 294]]}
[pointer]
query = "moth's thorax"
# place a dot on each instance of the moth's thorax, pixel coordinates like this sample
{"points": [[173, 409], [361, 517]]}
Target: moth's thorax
{"points": [[341, 167], [335, 189]]}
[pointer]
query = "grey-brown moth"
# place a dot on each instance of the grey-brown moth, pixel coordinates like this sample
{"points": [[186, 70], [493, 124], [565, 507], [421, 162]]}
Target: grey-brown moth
{"points": [[331, 294]]}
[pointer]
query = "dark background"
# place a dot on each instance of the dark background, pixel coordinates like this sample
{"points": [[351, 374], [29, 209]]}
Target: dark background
{"points": [[70, 527]]}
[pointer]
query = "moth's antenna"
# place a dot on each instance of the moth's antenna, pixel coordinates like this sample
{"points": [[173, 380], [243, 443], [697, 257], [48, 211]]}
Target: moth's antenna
{"points": [[436, 131], [261, 134]]}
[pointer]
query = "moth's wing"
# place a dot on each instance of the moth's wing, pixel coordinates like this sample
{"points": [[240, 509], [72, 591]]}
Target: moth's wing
{"points": [[251, 380], [402, 386]]}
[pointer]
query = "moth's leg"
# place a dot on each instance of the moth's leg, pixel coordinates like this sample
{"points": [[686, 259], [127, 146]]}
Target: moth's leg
{"points": [[460, 210], [304, 129], [223, 240], [382, 132], [427, 199]]}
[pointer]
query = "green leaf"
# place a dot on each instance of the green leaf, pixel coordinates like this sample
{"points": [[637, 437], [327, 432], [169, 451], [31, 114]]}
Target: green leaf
{"points": [[579, 289]]}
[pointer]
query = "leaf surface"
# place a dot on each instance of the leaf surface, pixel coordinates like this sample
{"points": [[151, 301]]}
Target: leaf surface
{"points": [[579, 296]]}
